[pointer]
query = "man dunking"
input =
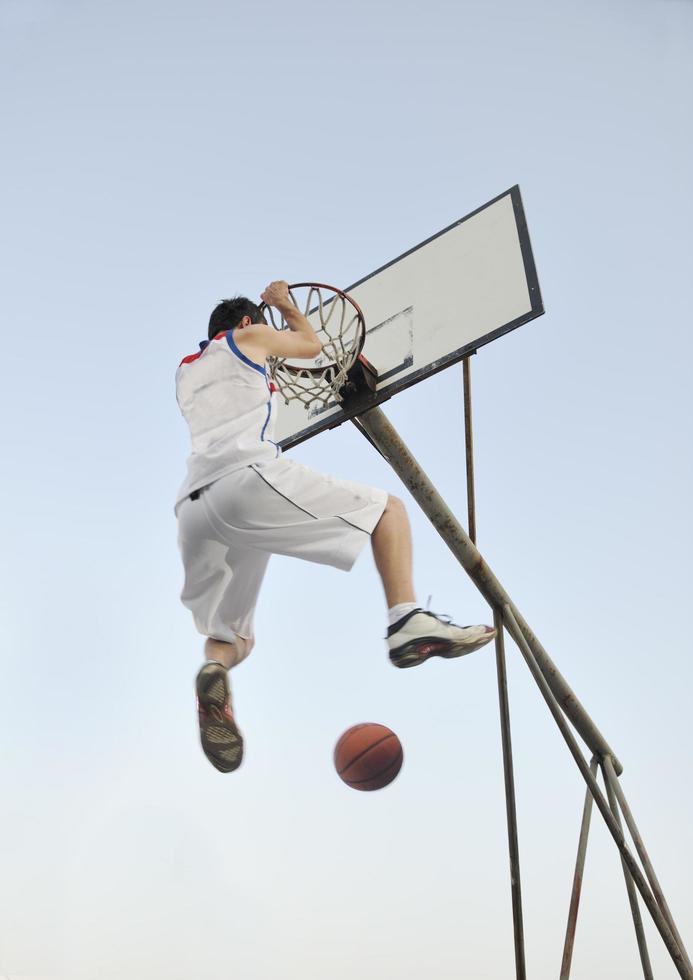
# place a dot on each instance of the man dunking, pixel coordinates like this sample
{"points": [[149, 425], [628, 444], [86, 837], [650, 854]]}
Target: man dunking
{"points": [[242, 501]]}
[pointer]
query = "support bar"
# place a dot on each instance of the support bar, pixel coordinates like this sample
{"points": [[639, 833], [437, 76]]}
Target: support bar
{"points": [[511, 810], [630, 888], [611, 779], [469, 448], [577, 880], [387, 440]]}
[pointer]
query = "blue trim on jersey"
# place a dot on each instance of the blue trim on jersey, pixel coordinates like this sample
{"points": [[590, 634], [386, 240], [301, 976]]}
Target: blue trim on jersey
{"points": [[264, 428], [269, 415], [242, 357]]}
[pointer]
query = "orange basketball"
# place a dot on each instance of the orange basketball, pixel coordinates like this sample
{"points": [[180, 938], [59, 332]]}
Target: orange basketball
{"points": [[368, 756]]}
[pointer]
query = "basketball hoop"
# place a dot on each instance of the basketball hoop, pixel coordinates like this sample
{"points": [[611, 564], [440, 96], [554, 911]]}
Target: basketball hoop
{"points": [[340, 327]]}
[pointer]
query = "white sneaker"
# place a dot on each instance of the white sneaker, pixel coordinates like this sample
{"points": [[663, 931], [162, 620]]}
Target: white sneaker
{"points": [[420, 635]]}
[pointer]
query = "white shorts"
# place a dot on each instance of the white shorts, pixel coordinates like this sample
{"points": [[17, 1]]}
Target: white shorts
{"points": [[280, 507]]}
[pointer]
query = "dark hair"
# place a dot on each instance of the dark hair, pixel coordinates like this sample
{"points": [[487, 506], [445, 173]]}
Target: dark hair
{"points": [[229, 313]]}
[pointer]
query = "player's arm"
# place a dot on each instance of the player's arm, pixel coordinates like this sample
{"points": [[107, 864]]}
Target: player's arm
{"points": [[300, 340], [260, 341]]}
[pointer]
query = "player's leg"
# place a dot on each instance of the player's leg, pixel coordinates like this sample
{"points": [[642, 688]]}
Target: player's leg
{"points": [[229, 614], [221, 588], [392, 550], [289, 509], [414, 635]]}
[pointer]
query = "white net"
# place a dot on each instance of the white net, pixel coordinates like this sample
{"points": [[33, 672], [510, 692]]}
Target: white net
{"points": [[340, 327]]}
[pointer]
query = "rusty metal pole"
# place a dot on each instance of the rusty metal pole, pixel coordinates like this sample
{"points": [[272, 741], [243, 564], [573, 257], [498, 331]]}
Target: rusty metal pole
{"points": [[388, 442], [561, 700], [577, 880], [503, 702], [630, 888], [469, 448], [510, 808], [612, 780]]}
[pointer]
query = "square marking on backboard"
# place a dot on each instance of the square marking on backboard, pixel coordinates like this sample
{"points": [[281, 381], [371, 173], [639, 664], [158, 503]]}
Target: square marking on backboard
{"points": [[390, 344]]}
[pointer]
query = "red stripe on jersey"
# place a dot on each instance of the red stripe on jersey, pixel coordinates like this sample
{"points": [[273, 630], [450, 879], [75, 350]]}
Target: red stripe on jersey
{"points": [[193, 357], [190, 358]]}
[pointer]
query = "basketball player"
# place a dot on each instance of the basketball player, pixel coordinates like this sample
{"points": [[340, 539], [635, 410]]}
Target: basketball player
{"points": [[242, 501]]}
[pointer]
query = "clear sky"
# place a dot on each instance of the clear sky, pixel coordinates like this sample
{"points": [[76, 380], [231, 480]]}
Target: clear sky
{"points": [[161, 155]]}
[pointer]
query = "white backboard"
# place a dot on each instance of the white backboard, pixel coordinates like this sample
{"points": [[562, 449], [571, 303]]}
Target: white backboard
{"points": [[464, 287]]}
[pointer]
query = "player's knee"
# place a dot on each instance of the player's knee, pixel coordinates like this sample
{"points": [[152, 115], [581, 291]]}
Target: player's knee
{"points": [[395, 505], [396, 514]]}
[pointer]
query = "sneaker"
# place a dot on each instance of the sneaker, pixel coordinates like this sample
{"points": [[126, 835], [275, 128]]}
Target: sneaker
{"points": [[421, 634], [222, 743]]}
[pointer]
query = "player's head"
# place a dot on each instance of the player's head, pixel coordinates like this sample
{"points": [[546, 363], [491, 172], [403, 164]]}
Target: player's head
{"points": [[229, 313]]}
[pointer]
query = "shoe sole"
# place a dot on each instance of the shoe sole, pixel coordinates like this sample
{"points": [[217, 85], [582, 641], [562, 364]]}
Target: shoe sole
{"points": [[221, 740], [415, 652]]}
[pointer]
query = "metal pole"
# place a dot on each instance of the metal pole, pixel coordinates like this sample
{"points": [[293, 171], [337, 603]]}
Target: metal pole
{"points": [[503, 702], [511, 812], [630, 888], [469, 448], [613, 827], [612, 780], [391, 446], [577, 880]]}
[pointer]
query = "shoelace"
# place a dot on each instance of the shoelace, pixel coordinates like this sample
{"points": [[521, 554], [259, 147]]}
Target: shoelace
{"points": [[441, 617]]}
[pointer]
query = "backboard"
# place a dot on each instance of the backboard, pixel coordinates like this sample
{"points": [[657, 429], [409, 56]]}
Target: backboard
{"points": [[443, 299]]}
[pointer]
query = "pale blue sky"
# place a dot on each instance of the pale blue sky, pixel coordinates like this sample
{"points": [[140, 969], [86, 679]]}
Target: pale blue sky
{"points": [[159, 156]]}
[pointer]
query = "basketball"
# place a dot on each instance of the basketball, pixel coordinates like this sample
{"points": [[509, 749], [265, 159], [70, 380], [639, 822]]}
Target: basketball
{"points": [[368, 756]]}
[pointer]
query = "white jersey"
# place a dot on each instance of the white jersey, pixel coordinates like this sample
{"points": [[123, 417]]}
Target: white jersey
{"points": [[228, 402]]}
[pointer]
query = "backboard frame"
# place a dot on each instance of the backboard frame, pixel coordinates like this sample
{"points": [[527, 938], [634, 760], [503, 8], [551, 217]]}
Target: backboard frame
{"points": [[368, 399]]}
